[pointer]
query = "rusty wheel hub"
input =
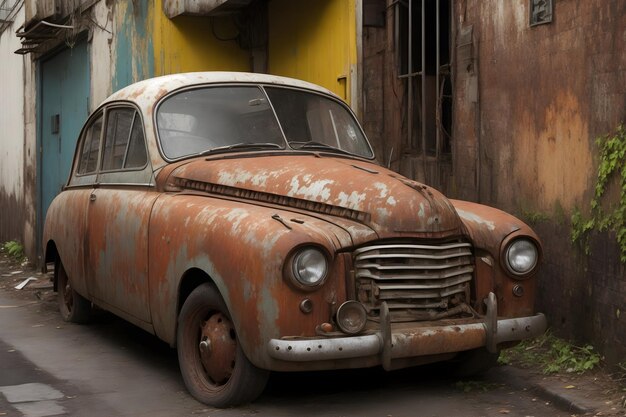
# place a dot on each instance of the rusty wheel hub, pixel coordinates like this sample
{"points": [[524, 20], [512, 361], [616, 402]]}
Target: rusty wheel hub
{"points": [[218, 347]]}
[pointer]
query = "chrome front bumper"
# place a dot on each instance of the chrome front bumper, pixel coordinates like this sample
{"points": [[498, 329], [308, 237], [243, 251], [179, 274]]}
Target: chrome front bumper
{"points": [[414, 341]]}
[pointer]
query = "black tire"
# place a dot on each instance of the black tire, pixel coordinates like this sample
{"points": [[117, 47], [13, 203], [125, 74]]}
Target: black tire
{"points": [[74, 307], [240, 381], [473, 363]]}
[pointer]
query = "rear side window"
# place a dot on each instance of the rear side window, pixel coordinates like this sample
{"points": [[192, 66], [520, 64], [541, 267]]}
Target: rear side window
{"points": [[91, 146], [136, 156], [124, 146]]}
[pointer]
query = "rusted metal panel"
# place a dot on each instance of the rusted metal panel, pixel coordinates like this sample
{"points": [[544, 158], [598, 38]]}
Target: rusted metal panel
{"points": [[242, 249], [489, 230], [484, 279], [389, 204], [67, 233], [438, 340], [117, 242]]}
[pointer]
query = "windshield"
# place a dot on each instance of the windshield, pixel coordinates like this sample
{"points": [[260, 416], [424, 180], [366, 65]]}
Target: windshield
{"points": [[311, 119], [195, 121], [235, 118]]}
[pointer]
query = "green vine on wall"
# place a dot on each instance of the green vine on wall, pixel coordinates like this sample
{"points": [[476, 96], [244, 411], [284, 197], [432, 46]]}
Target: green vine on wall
{"points": [[612, 164]]}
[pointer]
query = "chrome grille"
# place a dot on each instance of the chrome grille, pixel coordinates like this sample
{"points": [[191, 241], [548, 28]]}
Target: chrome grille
{"points": [[418, 281]]}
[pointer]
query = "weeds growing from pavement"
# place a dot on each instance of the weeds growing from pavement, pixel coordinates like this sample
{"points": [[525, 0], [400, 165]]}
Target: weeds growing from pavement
{"points": [[14, 249], [552, 355]]}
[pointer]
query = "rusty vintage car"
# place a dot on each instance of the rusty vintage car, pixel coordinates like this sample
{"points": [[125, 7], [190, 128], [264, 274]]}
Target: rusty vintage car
{"points": [[242, 219]]}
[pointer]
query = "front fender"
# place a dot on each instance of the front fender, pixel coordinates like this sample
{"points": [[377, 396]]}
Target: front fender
{"points": [[242, 249], [490, 230]]}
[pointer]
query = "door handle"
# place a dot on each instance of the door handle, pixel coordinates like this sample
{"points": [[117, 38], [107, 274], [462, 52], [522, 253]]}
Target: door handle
{"points": [[92, 197]]}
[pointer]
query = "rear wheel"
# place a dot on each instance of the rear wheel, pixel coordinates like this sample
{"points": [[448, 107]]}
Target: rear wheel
{"points": [[213, 365], [74, 307]]}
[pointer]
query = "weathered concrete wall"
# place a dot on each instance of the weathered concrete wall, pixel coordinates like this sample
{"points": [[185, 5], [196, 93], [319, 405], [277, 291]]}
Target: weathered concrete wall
{"points": [[133, 51], [31, 190], [100, 50], [11, 135], [528, 108]]}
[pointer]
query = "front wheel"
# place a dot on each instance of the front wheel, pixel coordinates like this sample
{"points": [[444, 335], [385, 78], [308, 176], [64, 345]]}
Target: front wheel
{"points": [[213, 365]]}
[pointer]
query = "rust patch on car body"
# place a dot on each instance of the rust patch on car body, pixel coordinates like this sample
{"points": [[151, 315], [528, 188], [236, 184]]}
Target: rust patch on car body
{"points": [[390, 205]]}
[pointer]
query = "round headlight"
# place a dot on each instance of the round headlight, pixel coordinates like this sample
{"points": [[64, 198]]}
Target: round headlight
{"points": [[309, 266], [521, 256], [351, 317]]}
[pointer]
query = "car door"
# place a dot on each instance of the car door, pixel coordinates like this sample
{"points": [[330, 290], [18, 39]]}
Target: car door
{"points": [[118, 218], [73, 202]]}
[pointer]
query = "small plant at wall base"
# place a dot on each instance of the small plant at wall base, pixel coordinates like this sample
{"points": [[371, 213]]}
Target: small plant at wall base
{"points": [[612, 165], [14, 249], [552, 355]]}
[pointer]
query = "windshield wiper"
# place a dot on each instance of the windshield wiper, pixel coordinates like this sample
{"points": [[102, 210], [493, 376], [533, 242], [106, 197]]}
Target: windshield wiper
{"points": [[241, 145], [319, 145]]}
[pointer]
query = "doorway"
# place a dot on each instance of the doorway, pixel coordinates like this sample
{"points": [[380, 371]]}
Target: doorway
{"points": [[64, 106]]}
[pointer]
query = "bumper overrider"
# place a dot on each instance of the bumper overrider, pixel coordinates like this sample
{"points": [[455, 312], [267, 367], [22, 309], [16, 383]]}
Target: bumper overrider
{"points": [[413, 341]]}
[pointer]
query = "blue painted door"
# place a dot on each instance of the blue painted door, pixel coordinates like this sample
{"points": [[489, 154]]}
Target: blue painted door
{"points": [[64, 94]]}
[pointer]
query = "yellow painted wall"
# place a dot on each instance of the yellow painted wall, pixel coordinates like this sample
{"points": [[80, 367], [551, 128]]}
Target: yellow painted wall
{"points": [[314, 41], [187, 43]]}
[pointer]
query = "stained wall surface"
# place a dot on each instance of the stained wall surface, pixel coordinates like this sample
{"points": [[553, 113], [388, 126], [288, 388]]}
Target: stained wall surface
{"points": [[11, 135], [529, 104]]}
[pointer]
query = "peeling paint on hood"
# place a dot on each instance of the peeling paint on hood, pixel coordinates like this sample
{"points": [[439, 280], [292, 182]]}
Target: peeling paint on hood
{"points": [[383, 200]]}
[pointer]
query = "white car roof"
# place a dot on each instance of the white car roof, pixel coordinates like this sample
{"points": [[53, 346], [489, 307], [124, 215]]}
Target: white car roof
{"points": [[147, 92]]}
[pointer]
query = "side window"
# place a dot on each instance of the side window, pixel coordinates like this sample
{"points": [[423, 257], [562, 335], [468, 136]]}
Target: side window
{"points": [[136, 156], [91, 145], [124, 146]]}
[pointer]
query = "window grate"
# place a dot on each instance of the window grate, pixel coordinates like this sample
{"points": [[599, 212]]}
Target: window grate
{"points": [[8, 9], [540, 12]]}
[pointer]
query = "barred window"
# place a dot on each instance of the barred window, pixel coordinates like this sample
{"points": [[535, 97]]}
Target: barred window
{"points": [[8, 10]]}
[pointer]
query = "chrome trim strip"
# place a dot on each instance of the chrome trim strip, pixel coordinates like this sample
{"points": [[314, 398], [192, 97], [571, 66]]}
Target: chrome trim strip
{"points": [[414, 256], [460, 262], [426, 247]]}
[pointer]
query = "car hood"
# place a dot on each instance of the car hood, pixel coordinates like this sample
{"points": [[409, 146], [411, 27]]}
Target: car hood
{"points": [[385, 201]]}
